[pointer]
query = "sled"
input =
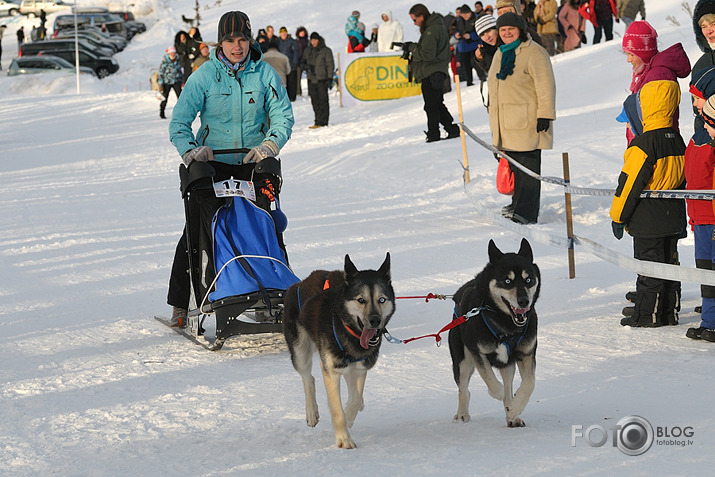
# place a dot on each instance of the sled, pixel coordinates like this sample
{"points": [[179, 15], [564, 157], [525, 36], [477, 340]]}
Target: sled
{"points": [[238, 265]]}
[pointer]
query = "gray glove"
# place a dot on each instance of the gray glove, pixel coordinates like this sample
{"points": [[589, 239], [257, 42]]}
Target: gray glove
{"points": [[258, 153], [201, 154]]}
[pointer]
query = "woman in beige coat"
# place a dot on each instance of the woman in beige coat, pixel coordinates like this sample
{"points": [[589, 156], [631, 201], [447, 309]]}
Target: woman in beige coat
{"points": [[547, 24], [522, 97]]}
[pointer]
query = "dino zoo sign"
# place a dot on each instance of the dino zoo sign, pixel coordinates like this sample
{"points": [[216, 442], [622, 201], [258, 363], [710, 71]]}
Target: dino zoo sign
{"points": [[376, 78]]}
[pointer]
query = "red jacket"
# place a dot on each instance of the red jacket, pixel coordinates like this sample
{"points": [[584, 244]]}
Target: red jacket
{"points": [[588, 11], [699, 166]]}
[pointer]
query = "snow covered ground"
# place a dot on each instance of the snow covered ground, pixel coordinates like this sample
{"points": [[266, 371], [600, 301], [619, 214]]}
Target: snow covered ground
{"points": [[91, 385]]}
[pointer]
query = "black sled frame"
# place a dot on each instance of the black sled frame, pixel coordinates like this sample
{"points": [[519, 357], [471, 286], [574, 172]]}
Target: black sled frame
{"points": [[265, 306]]}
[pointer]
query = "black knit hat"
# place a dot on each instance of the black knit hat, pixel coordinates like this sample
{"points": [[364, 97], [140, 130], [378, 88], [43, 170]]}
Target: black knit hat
{"points": [[234, 24], [314, 36], [511, 19]]}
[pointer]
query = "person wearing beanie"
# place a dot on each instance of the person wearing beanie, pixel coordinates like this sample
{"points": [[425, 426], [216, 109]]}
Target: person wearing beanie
{"points": [[655, 160], [600, 13], [319, 64], [486, 28], [390, 31], [641, 48], [513, 6], [289, 47], [430, 58], [468, 42], [241, 104], [547, 26], [521, 108], [203, 56], [699, 168], [573, 25], [355, 30], [171, 77], [704, 29]]}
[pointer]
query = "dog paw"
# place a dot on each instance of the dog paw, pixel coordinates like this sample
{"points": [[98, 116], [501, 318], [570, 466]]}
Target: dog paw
{"points": [[516, 422], [345, 442], [464, 417], [312, 418]]}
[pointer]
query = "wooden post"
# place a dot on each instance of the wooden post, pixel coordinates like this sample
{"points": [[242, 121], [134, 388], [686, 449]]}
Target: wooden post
{"points": [[569, 216], [461, 131]]}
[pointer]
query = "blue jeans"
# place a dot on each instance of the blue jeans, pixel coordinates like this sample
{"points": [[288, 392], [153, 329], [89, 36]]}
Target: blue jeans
{"points": [[705, 258]]}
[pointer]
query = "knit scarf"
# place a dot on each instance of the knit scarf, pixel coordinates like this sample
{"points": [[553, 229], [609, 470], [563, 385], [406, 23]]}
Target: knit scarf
{"points": [[508, 59], [231, 66]]}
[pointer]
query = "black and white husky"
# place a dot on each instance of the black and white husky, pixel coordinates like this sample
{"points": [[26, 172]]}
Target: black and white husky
{"points": [[341, 315], [502, 334]]}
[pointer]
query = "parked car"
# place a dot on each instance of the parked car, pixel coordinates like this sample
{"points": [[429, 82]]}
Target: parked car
{"points": [[84, 27], [61, 44], [96, 43], [131, 22], [9, 9], [44, 64], [114, 24], [33, 7], [103, 66]]}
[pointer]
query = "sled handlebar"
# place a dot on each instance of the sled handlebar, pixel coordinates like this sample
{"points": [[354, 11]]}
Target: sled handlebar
{"points": [[240, 150]]}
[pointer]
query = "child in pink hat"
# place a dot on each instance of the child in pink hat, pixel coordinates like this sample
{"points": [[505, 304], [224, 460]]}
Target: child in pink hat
{"points": [[640, 44]]}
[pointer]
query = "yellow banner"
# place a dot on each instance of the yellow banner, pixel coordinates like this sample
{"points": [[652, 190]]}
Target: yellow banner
{"points": [[367, 77]]}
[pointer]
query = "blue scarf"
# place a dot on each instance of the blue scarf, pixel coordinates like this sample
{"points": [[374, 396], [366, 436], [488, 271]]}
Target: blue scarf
{"points": [[508, 59]]}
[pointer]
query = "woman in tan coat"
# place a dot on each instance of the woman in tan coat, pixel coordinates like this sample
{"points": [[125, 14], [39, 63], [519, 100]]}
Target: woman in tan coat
{"points": [[546, 24], [522, 97]]}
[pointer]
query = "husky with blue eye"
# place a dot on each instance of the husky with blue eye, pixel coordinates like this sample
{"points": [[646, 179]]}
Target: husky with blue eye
{"points": [[500, 331], [341, 315]]}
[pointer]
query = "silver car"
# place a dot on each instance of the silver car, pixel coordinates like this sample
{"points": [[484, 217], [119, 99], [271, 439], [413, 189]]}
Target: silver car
{"points": [[28, 65]]}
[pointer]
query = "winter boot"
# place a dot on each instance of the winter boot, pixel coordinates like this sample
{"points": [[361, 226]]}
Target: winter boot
{"points": [[695, 333], [629, 311], [432, 136], [631, 296], [453, 131], [178, 317], [647, 313], [708, 335]]}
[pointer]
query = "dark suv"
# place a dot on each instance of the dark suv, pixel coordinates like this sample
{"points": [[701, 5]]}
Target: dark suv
{"points": [[102, 66], [63, 44]]}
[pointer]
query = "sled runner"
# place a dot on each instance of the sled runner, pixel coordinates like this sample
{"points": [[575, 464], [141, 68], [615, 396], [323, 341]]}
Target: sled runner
{"points": [[238, 265]]}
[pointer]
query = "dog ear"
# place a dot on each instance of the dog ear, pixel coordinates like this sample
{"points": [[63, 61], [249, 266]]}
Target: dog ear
{"points": [[525, 250], [350, 269], [385, 267], [494, 253]]}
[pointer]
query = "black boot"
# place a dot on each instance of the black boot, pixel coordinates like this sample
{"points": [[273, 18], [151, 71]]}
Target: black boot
{"points": [[162, 115], [647, 313], [453, 131], [432, 136]]}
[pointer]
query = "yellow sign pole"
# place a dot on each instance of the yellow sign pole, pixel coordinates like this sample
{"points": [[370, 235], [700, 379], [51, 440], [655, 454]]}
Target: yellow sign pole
{"points": [[461, 131]]}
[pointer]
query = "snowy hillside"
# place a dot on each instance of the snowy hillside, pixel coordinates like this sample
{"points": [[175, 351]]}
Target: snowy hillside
{"points": [[91, 385]]}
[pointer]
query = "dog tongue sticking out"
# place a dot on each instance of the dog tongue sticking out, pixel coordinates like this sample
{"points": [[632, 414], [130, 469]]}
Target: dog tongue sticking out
{"points": [[366, 336]]}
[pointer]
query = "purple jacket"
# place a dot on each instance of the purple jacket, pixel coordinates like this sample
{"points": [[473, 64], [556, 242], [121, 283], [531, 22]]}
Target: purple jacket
{"points": [[669, 64]]}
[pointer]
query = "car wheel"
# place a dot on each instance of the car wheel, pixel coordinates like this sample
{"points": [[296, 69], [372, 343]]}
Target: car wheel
{"points": [[13, 12], [102, 73]]}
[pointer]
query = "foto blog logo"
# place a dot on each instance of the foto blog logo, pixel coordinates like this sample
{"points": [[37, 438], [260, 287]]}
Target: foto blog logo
{"points": [[632, 435]]}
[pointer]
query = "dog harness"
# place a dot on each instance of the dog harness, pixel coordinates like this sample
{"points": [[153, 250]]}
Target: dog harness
{"points": [[509, 340]]}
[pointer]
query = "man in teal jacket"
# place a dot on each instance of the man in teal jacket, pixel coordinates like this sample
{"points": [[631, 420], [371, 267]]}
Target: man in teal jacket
{"points": [[241, 104]]}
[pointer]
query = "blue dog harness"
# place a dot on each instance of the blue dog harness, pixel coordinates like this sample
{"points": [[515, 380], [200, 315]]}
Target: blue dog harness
{"points": [[509, 340]]}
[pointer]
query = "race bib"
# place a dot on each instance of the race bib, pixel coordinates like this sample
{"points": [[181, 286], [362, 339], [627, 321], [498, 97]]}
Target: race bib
{"points": [[235, 188]]}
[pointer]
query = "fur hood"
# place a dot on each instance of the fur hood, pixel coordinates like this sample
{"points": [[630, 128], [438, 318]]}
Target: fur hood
{"points": [[702, 7]]}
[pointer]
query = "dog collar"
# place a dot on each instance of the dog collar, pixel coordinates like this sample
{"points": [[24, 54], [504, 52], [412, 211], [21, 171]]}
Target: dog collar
{"points": [[509, 340]]}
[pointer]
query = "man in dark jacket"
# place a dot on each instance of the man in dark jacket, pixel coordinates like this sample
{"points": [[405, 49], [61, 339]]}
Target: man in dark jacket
{"points": [[430, 60], [468, 42], [319, 64], [289, 47]]}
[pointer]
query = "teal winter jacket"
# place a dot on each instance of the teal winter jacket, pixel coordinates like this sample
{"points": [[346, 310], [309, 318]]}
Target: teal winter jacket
{"points": [[237, 110]]}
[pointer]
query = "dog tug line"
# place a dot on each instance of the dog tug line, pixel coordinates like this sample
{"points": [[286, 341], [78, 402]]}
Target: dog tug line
{"points": [[510, 340]]}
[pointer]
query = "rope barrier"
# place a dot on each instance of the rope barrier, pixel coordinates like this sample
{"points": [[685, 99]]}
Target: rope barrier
{"points": [[650, 269], [646, 194]]}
